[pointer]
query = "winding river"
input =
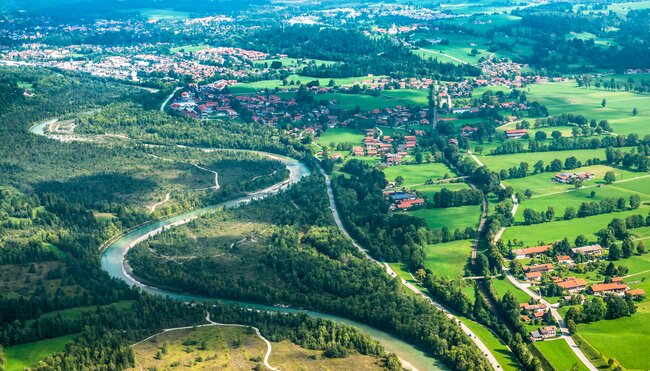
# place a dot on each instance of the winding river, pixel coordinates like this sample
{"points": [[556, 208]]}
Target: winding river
{"points": [[113, 262]]}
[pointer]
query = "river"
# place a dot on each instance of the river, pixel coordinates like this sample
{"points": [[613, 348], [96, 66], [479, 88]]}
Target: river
{"points": [[112, 261]]}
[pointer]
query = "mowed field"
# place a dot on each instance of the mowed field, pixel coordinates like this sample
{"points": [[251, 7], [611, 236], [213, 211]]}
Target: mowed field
{"points": [[559, 354], [453, 218], [449, 258], [567, 97], [339, 136], [532, 235], [500, 162], [28, 355], [418, 174]]}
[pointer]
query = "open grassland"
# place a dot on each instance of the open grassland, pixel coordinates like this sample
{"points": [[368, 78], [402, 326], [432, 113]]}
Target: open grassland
{"points": [[340, 136], [365, 102], [154, 14], [625, 338], [451, 217], [543, 184], [204, 347], [189, 48], [406, 97], [418, 174], [236, 348], [567, 97], [499, 349], [257, 86], [449, 258], [28, 355], [428, 190], [559, 354], [573, 198], [532, 235], [499, 162], [502, 286]]}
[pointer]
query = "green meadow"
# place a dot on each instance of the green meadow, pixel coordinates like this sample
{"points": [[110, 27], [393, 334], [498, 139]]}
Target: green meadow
{"points": [[341, 135], [449, 258], [451, 217], [418, 174], [502, 286], [532, 235], [499, 162], [567, 97], [559, 354], [28, 355]]}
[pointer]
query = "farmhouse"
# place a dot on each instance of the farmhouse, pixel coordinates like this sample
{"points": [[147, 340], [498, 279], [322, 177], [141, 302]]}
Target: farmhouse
{"points": [[518, 133], [531, 251], [573, 284], [467, 131], [570, 178], [635, 293], [564, 259], [543, 333], [537, 310], [533, 276], [594, 250], [541, 268], [407, 204], [616, 288]]}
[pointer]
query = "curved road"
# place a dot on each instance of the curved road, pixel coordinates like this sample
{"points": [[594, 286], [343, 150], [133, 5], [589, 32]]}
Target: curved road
{"points": [[335, 213], [162, 106], [565, 334]]}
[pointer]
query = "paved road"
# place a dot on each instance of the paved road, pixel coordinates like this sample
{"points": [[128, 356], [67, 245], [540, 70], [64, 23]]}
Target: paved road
{"points": [[335, 213], [565, 334], [162, 106]]}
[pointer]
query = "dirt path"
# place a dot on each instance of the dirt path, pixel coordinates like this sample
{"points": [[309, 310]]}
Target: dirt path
{"points": [[269, 347], [154, 206]]}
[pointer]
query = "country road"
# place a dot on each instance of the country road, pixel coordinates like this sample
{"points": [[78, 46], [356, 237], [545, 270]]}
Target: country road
{"points": [[162, 106], [335, 213], [565, 334]]}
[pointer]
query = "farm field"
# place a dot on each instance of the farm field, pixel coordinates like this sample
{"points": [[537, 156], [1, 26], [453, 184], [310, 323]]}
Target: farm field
{"points": [[341, 136], [453, 218], [567, 97], [573, 198], [559, 354], [499, 162], [27, 355], [502, 286], [501, 352], [532, 235], [428, 190], [542, 183], [449, 258], [418, 174], [189, 48]]}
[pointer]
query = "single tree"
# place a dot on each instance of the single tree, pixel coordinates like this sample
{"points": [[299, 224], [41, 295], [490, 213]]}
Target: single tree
{"points": [[603, 103], [610, 177], [635, 111]]}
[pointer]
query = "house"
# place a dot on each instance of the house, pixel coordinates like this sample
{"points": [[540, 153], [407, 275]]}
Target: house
{"points": [[570, 178], [531, 251], [533, 308], [541, 268], [518, 133], [357, 151], [533, 276], [593, 250], [453, 141], [573, 284], [565, 260], [615, 288], [543, 333], [399, 196], [635, 293], [467, 131], [407, 204]]}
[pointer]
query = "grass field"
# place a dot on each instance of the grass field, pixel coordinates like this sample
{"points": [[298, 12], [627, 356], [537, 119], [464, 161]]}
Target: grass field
{"points": [[189, 48], [157, 14], [500, 350], [418, 174], [532, 235], [341, 135], [567, 97], [502, 286], [429, 190], [27, 355], [448, 259], [499, 162], [559, 354], [451, 217]]}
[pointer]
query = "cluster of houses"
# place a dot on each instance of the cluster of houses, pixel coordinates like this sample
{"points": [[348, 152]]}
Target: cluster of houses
{"points": [[571, 178], [394, 150], [534, 273], [403, 200]]}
